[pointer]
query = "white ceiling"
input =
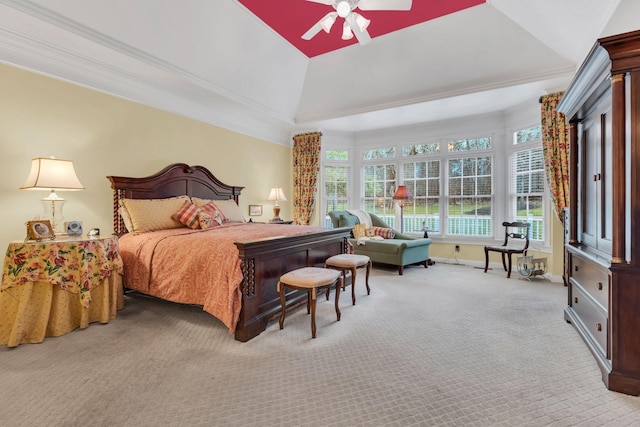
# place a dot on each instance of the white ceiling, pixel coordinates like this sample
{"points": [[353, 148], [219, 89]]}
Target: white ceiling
{"points": [[216, 62]]}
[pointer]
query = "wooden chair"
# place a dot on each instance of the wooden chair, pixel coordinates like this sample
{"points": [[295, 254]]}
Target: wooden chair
{"points": [[516, 241]]}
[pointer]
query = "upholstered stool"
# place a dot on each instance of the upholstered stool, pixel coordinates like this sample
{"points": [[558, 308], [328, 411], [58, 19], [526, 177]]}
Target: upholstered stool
{"points": [[350, 262], [309, 279]]}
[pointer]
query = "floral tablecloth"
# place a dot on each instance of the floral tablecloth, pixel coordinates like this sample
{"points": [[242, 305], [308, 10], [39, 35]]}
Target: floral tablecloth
{"points": [[76, 265], [51, 288]]}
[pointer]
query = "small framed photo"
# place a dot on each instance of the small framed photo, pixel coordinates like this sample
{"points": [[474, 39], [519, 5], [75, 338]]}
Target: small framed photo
{"points": [[40, 230], [73, 228], [255, 210]]}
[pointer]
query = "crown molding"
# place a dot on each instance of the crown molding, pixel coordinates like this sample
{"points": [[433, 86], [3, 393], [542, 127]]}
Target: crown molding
{"points": [[44, 57]]}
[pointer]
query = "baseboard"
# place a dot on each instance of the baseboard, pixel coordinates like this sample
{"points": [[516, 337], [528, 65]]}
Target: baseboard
{"points": [[493, 266]]}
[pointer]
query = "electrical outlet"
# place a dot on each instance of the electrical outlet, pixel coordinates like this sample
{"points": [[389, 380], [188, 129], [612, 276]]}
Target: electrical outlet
{"points": [[457, 248]]}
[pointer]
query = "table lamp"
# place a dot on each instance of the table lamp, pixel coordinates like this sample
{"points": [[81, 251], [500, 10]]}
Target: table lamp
{"points": [[276, 194], [402, 195], [52, 174]]}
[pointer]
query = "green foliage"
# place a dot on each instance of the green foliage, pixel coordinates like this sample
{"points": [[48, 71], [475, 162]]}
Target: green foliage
{"points": [[380, 153], [530, 134], [469, 144], [337, 155]]}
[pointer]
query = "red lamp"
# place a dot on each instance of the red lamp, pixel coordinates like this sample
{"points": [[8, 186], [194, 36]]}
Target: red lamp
{"points": [[402, 195]]}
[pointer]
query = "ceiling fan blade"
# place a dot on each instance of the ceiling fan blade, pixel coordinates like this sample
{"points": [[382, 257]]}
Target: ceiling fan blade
{"points": [[312, 31], [318, 26], [383, 4], [329, 2], [362, 36]]}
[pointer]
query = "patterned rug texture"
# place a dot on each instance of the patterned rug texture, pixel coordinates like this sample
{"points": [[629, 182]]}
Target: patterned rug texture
{"points": [[443, 346]]}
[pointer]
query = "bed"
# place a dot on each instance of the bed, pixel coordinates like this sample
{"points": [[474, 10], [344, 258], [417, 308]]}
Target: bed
{"points": [[254, 255]]}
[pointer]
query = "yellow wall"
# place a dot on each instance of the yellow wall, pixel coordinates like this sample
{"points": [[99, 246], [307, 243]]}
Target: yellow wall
{"points": [[105, 135]]}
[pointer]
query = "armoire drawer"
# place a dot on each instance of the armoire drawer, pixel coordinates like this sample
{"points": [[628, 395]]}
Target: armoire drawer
{"points": [[591, 316], [593, 278]]}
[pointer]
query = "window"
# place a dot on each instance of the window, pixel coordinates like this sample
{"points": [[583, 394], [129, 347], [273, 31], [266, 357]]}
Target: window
{"points": [[469, 144], [336, 182], [470, 189], [527, 181], [461, 188], [380, 153], [379, 187], [336, 189], [422, 179], [417, 150], [469, 203], [528, 135], [337, 155]]}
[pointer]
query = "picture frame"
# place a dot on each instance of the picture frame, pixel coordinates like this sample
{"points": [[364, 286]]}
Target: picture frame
{"points": [[40, 229], [73, 228], [255, 210]]}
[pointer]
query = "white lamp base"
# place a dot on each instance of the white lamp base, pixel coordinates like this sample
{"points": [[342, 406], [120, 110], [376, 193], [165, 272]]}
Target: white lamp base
{"points": [[53, 212]]}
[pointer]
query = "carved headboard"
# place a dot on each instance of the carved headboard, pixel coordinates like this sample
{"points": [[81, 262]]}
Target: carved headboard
{"points": [[175, 180]]}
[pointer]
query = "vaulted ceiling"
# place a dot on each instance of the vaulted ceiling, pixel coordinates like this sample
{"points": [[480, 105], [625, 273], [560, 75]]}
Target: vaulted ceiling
{"points": [[241, 64], [292, 18]]}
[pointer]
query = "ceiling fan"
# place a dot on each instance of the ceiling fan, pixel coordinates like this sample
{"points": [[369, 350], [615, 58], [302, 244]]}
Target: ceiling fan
{"points": [[354, 23]]}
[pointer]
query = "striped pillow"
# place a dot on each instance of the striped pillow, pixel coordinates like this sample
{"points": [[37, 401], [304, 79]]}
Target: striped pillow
{"points": [[188, 215], [385, 233]]}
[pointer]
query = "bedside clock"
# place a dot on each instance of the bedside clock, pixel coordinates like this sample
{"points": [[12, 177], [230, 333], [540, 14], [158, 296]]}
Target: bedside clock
{"points": [[73, 228]]}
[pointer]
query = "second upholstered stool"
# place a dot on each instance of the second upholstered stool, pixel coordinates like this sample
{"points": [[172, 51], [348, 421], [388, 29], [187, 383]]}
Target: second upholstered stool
{"points": [[350, 262], [309, 279]]}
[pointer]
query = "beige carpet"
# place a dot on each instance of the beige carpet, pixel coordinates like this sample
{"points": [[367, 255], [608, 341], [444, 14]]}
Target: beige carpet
{"points": [[445, 346]]}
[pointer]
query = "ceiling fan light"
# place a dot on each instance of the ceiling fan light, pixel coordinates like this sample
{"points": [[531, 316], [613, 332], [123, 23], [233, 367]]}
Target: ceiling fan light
{"points": [[343, 8], [362, 22], [327, 23], [346, 31]]}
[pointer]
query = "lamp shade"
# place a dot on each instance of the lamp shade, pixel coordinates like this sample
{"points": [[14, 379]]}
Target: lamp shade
{"points": [[328, 21], [276, 194], [363, 23], [346, 31], [52, 174], [402, 193]]}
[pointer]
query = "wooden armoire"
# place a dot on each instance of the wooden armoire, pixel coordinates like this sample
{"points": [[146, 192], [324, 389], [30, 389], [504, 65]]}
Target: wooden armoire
{"points": [[602, 247]]}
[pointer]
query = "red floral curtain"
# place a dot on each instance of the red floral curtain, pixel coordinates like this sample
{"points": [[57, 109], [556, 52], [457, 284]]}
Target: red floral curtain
{"points": [[306, 167], [555, 145]]}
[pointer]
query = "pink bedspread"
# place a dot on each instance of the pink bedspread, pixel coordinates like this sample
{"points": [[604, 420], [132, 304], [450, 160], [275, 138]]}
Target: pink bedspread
{"points": [[196, 266]]}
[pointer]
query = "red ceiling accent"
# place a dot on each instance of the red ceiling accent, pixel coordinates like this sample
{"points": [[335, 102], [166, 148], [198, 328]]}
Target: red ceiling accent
{"points": [[292, 18]]}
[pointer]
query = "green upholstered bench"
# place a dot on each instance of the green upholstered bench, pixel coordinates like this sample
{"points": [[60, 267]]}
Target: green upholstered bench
{"points": [[402, 250]]}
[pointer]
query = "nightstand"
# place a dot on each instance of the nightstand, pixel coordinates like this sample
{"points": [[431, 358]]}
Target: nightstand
{"points": [[52, 287]]}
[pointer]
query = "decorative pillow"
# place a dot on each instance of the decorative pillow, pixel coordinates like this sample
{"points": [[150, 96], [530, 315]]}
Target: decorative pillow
{"points": [[188, 215], [206, 221], [347, 220], [360, 230], [230, 209], [385, 233], [200, 202], [153, 214], [211, 209]]}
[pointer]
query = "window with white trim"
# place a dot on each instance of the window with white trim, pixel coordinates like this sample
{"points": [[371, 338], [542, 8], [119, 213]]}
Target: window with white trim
{"points": [[422, 178], [528, 181], [470, 196], [336, 182], [379, 184]]}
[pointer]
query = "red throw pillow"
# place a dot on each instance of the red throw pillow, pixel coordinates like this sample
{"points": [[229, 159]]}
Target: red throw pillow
{"points": [[188, 215]]}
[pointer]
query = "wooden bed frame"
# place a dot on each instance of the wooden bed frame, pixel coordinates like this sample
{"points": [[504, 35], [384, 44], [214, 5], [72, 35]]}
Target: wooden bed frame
{"points": [[263, 260]]}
